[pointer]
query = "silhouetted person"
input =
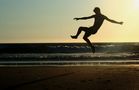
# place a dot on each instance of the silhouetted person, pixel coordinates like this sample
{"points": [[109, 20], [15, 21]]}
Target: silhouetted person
{"points": [[99, 18]]}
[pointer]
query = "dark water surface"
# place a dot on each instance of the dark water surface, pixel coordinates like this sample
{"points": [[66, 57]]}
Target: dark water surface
{"points": [[68, 53]]}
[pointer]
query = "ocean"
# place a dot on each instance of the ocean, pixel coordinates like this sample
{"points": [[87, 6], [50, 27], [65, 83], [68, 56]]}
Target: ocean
{"points": [[55, 54]]}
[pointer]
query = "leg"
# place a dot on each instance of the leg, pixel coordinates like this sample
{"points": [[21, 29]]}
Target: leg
{"points": [[79, 31], [88, 41]]}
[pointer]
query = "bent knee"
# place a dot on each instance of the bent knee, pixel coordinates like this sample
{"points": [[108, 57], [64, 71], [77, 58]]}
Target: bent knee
{"points": [[85, 38], [83, 28]]}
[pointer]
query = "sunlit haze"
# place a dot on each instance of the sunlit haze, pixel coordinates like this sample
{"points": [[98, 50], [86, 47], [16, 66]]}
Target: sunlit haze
{"points": [[46, 21]]}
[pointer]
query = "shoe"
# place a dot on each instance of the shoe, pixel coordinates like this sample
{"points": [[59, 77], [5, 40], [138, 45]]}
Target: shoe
{"points": [[74, 37], [93, 50]]}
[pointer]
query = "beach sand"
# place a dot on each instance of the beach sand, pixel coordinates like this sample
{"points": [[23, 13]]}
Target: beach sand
{"points": [[111, 77]]}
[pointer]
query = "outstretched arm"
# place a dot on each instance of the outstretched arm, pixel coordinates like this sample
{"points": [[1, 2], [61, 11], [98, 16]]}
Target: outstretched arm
{"points": [[84, 18], [113, 21]]}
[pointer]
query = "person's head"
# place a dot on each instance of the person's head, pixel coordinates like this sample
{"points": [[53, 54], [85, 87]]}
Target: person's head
{"points": [[97, 10]]}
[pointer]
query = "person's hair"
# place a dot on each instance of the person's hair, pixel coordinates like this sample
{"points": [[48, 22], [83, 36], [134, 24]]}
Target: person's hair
{"points": [[97, 9]]}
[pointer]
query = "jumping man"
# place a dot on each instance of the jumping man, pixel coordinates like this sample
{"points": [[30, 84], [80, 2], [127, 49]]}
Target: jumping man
{"points": [[99, 19]]}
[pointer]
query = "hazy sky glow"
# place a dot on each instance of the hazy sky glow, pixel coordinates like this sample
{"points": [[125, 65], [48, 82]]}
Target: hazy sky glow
{"points": [[42, 21]]}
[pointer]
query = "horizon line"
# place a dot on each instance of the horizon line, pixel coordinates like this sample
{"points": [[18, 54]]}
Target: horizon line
{"points": [[59, 42]]}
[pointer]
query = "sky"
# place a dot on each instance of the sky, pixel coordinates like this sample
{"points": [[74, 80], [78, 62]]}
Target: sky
{"points": [[50, 21]]}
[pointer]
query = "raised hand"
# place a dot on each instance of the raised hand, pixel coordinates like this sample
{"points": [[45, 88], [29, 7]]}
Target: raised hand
{"points": [[76, 19], [121, 23]]}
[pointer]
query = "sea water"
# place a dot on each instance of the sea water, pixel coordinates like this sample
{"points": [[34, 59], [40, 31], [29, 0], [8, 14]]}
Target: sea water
{"points": [[68, 54]]}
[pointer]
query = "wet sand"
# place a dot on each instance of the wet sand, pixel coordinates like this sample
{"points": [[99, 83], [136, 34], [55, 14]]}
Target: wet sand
{"points": [[70, 78]]}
